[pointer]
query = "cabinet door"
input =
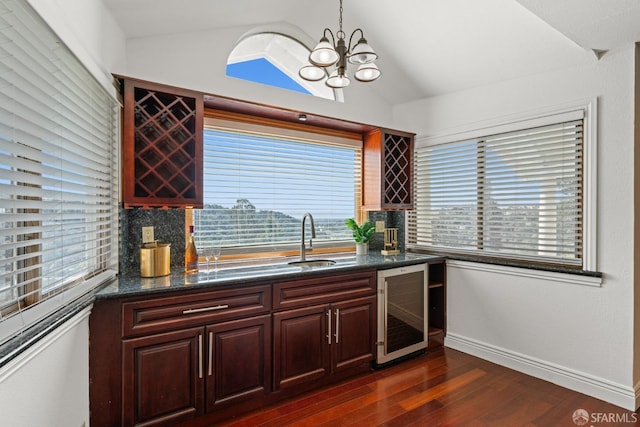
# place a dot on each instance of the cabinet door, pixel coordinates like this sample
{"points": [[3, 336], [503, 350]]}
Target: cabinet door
{"points": [[162, 146], [388, 170], [354, 330], [300, 346], [239, 360], [163, 378]]}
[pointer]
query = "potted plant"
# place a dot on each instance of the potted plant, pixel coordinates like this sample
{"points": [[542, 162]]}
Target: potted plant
{"points": [[361, 234]]}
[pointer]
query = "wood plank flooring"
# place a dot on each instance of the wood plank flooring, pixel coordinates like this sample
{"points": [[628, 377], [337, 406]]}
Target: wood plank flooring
{"points": [[443, 388]]}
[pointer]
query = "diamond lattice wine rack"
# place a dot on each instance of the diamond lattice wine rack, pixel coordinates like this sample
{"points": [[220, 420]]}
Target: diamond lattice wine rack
{"points": [[388, 170], [397, 157], [162, 146]]}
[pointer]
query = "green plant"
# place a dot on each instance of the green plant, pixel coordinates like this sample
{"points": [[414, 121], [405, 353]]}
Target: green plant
{"points": [[361, 233]]}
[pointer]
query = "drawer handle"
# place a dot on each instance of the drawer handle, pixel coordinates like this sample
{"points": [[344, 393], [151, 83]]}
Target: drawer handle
{"points": [[200, 310]]}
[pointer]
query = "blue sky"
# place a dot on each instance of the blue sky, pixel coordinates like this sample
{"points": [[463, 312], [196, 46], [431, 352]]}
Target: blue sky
{"points": [[262, 71]]}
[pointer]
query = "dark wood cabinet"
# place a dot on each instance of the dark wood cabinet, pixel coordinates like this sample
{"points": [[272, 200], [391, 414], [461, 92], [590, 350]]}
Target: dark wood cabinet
{"points": [[314, 342], [161, 145], [179, 357], [165, 375], [238, 365], [437, 303], [355, 333], [300, 351], [162, 378], [197, 357], [388, 170]]}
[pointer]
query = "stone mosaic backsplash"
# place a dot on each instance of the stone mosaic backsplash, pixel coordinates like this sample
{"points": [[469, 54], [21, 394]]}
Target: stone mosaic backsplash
{"points": [[169, 227]]}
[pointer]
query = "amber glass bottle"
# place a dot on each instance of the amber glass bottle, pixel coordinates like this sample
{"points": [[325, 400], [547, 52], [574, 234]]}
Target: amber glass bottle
{"points": [[191, 254]]}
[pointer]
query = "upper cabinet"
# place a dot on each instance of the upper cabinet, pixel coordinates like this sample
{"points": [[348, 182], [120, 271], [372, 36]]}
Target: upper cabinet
{"points": [[388, 170], [161, 146]]}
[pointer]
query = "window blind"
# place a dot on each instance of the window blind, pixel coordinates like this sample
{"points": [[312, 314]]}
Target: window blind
{"points": [[259, 182], [516, 194], [58, 169]]}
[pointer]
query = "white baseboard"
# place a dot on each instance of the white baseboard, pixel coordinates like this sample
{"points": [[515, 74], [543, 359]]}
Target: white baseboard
{"points": [[617, 394]]}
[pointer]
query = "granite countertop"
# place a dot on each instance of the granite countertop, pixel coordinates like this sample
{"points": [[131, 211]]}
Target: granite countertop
{"points": [[134, 285]]}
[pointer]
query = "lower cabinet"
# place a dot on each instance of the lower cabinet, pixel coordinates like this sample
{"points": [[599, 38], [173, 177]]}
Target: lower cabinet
{"points": [[239, 361], [311, 343], [324, 330], [196, 358], [161, 379], [176, 376]]}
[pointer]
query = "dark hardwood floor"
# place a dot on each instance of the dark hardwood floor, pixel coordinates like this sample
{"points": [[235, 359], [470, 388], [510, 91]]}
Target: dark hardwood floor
{"points": [[442, 388]]}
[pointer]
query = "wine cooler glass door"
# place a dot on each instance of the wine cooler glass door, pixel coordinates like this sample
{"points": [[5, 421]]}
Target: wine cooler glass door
{"points": [[402, 312]]}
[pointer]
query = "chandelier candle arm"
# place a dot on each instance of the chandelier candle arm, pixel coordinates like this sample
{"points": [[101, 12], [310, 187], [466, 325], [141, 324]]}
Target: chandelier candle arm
{"points": [[337, 52]]}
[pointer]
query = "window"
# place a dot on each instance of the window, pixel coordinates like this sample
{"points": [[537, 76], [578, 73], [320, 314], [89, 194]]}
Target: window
{"points": [[517, 194], [58, 192], [274, 59], [260, 180]]}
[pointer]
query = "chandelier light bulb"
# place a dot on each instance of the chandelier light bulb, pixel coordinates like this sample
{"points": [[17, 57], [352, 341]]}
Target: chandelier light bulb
{"points": [[324, 54], [312, 73], [362, 53], [337, 80], [367, 73]]}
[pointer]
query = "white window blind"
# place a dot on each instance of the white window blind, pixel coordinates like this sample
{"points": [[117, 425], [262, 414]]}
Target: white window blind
{"points": [[58, 169], [259, 182], [516, 195]]}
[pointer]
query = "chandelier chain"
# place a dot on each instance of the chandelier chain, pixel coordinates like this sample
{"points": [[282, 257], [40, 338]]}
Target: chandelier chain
{"points": [[340, 33]]}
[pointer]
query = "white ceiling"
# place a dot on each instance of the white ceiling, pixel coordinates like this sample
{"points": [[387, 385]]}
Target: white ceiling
{"points": [[426, 47]]}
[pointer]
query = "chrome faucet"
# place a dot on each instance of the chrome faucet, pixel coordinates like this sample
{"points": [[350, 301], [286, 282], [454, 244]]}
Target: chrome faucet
{"points": [[303, 248]]}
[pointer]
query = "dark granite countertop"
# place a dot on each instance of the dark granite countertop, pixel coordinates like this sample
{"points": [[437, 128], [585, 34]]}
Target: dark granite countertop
{"points": [[134, 285]]}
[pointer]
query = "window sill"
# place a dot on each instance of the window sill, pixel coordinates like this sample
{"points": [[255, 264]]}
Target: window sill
{"points": [[550, 273], [46, 317]]}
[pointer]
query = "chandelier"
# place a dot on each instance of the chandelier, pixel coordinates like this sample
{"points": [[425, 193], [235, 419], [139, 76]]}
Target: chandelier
{"points": [[337, 53]]}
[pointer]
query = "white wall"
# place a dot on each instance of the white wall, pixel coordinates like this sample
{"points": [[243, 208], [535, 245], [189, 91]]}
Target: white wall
{"points": [[89, 30], [578, 336], [48, 385], [198, 60]]}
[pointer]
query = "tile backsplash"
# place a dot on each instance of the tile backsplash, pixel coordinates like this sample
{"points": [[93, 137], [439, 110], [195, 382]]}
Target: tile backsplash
{"points": [[169, 227], [392, 219]]}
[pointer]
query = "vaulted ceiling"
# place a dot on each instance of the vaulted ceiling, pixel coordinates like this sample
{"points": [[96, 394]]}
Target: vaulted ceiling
{"points": [[426, 47]]}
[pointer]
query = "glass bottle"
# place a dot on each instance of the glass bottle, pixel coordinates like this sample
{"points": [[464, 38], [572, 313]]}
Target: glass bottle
{"points": [[191, 254]]}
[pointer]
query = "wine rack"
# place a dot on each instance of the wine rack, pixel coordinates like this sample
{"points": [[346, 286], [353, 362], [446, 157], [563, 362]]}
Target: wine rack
{"points": [[162, 146], [388, 170]]}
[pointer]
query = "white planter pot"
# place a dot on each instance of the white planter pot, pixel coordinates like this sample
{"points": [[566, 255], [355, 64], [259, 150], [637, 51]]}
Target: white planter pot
{"points": [[362, 248]]}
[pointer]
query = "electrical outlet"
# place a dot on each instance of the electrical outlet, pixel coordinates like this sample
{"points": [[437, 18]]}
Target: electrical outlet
{"points": [[379, 226], [147, 234]]}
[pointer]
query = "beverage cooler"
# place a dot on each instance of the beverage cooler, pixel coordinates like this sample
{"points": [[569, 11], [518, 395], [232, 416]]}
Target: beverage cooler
{"points": [[402, 313]]}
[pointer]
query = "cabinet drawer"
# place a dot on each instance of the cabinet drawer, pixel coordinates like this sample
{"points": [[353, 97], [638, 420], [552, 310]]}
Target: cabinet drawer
{"points": [[160, 314], [322, 290]]}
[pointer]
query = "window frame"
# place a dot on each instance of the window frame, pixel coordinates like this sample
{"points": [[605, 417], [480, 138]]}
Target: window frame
{"points": [[588, 109], [258, 124]]}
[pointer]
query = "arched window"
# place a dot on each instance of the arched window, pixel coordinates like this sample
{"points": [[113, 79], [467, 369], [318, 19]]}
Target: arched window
{"points": [[274, 59]]}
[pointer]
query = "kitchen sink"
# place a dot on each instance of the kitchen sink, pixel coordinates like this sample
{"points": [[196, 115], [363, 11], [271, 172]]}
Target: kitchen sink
{"points": [[312, 263]]}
